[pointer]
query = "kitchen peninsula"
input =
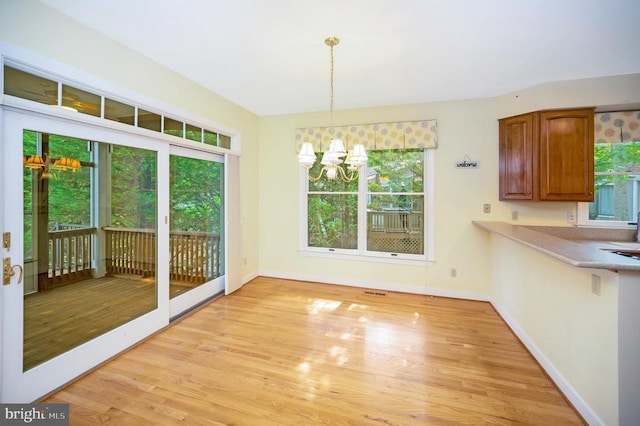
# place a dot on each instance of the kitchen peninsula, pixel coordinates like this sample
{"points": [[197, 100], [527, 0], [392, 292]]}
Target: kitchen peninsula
{"points": [[577, 309]]}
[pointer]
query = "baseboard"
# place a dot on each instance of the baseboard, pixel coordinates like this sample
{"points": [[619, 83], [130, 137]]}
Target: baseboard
{"points": [[402, 288], [565, 387], [249, 278]]}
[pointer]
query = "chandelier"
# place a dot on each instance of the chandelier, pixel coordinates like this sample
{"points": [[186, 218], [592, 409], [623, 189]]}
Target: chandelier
{"points": [[333, 161], [36, 162]]}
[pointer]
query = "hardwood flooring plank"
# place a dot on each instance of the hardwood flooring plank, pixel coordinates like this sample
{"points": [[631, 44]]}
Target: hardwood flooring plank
{"points": [[280, 352]]}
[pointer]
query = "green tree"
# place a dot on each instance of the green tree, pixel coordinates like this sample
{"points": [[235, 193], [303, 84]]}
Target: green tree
{"points": [[133, 188], [196, 195]]}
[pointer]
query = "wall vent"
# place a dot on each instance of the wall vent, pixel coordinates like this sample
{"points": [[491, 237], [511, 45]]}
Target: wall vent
{"points": [[375, 293]]}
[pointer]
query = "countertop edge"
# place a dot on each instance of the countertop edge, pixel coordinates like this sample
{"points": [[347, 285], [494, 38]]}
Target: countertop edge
{"points": [[581, 254]]}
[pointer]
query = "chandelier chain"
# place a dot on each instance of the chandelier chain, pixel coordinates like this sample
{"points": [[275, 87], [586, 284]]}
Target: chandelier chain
{"points": [[331, 97], [331, 42]]}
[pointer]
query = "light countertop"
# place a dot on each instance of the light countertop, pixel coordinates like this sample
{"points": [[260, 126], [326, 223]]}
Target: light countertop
{"points": [[580, 247]]}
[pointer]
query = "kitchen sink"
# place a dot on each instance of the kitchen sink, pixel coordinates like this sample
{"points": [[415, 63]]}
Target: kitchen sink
{"points": [[627, 244], [633, 254]]}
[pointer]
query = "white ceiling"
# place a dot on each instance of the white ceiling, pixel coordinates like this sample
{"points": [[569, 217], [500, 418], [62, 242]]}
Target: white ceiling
{"points": [[269, 56]]}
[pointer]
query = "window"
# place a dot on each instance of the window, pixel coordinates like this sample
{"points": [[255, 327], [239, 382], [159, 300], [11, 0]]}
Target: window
{"points": [[21, 82], [383, 214], [617, 170]]}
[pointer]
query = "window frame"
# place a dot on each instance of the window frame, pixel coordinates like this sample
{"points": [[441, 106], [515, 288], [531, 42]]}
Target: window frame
{"points": [[361, 253], [137, 101], [583, 208]]}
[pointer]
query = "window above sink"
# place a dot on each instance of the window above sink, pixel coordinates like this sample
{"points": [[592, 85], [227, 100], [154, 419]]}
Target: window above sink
{"points": [[617, 171]]}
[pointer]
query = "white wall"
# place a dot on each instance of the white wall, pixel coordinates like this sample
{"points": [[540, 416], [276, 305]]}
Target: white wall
{"points": [[465, 128], [32, 27]]}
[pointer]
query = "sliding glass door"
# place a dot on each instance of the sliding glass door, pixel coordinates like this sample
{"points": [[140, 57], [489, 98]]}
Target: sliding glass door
{"points": [[85, 216], [89, 212], [196, 227], [110, 234]]}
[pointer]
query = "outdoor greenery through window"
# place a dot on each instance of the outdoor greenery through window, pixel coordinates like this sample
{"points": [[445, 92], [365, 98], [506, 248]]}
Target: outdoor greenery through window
{"points": [[380, 212], [617, 168], [197, 222], [63, 211], [90, 225]]}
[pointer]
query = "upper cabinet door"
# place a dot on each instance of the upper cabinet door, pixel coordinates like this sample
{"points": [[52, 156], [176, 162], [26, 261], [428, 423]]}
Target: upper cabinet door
{"points": [[566, 155], [517, 158]]}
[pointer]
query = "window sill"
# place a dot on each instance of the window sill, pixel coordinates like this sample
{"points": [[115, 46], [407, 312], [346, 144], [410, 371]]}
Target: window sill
{"points": [[382, 258]]}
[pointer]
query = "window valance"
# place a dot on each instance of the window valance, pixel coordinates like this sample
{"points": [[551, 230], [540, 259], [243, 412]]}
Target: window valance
{"points": [[620, 126], [378, 136]]}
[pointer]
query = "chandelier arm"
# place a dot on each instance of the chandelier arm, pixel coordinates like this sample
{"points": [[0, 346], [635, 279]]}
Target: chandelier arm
{"points": [[347, 179], [317, 178]]}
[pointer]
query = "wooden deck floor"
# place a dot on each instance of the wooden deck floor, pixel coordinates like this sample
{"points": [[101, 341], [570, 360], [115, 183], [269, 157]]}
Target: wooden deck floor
{"points": [[293, 353], [62, 318]]}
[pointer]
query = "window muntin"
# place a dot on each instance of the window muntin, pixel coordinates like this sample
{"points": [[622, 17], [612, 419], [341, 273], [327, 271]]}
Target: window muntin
{"points": [[20, 83], [382, 216]]}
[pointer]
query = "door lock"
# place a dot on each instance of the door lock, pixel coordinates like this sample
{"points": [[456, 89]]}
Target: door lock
{"points": [[8, 271], [6, 240]]}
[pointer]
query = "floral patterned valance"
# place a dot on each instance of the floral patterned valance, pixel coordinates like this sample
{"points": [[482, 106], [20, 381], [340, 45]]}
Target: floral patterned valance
{"points": [[620, 126], [379, 136]]}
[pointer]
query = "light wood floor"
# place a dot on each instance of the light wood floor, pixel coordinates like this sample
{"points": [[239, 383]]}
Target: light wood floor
{"points": [[282, 352]]}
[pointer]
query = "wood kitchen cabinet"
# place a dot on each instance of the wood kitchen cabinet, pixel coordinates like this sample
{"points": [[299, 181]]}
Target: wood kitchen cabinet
{"points": [[547, 156]]}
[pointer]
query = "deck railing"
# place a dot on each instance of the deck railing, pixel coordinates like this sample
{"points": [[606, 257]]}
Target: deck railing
{"points": [[194, 256], [130, 251], [70, 256], [395, 221], [396, 231]]}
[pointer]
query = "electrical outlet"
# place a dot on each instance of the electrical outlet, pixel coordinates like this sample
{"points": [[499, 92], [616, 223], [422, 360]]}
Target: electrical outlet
{"points": [[571, 216], [486, 208], [514, 215], [595, 284], [454, 272]]}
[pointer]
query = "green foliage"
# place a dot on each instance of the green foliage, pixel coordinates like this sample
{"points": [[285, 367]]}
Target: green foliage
{"points": [[333, 220], [69, 192], [397, 170], [133, 188], [332, 213], [614, 158], [196, 195], [196, 188]]}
